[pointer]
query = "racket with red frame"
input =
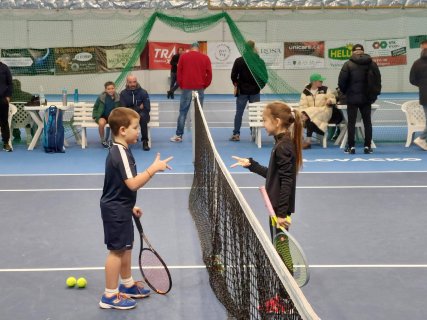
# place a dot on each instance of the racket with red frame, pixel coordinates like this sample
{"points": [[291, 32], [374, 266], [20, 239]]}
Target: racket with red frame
{"points": [[287, 247], [153, 269]]}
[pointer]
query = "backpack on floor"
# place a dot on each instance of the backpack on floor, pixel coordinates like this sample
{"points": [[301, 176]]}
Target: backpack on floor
{"points": [[53, 134]]}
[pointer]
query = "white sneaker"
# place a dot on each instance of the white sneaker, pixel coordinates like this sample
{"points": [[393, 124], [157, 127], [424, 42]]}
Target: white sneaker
{"points": [[421, 143], [176, 138]]}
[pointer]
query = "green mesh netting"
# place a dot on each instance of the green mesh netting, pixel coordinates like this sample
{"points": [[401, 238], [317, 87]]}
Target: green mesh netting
{"points": [[273, 80]]}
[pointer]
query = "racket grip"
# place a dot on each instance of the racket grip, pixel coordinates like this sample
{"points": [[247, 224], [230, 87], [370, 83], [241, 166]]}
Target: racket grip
{"points": [[267, 201], [138, 223]]}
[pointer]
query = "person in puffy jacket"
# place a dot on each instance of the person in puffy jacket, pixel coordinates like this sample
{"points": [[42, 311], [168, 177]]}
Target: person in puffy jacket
{"points": [[353, 82], [418, 77]]}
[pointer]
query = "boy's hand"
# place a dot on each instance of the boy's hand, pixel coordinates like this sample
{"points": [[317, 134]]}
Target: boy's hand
{"points": [[137, 212], [160, 165], [244, 162], [284, 222]]}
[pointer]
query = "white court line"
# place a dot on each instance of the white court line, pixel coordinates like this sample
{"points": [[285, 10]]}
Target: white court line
{"points": [[192, 173], [188, 188], [393, 103], [314, 266]]}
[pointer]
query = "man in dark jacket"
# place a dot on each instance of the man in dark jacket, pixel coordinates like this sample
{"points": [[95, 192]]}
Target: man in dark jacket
{"points": [[418, 77], [246, 87], [174, 67], [136, 98], [5, 96], [353, 82]]}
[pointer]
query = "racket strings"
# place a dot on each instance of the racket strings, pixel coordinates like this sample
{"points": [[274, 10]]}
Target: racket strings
{"points": [[155, 271]]}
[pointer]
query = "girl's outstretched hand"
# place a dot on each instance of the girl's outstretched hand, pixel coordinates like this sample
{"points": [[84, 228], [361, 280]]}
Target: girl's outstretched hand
{"points": [[244, 162]]}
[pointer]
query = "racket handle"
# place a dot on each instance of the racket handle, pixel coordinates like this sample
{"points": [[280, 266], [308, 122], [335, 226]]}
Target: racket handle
{"points": [[138, 223], [267, 201]]}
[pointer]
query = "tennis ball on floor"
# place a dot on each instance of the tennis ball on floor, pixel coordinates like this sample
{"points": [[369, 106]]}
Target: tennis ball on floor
{"points": [[71, 282], [81, 282]]}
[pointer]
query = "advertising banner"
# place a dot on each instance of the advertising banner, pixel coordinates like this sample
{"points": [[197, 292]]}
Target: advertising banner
{"points": [[272, 54], [415, 41], [387, 52], [304, 55], [160, 54], [339, 51], [29, 61], [75, 60], [115, 58], [222, 54]]}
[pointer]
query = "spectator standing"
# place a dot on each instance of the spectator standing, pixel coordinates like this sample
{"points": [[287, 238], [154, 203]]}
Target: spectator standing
{"points": [[194, 73], [174, 69], [247, 89], [360, 81], [418, 78], [6, 87], [136, 98]]}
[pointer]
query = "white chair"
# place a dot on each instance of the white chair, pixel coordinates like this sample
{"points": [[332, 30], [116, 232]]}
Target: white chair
{"points": [[415, 118], [22, 119], [12, 110]]}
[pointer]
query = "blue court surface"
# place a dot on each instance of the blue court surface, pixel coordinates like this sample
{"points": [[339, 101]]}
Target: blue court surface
{"points": [[360, 219]]}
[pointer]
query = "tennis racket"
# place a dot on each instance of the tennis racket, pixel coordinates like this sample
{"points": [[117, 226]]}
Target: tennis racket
{"points": [[153, 269], [287, 247]]}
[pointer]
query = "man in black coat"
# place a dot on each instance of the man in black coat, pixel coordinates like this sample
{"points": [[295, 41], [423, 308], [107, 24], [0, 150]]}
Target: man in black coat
{"points": [[246, 87], [360, 81], [174, 67], [5, 96], [418, 77]]}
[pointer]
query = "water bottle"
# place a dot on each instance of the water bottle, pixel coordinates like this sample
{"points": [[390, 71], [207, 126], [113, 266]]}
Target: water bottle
{"points": [[76, 95], [42, 97], [64, 97]]}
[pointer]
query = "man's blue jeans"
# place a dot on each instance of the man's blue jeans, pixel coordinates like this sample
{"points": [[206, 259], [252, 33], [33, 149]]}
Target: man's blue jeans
{"points": [[241, 102], [184, 106]]}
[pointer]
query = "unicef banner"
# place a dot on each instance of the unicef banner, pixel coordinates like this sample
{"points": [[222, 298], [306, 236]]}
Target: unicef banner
{"points": [[272, 54], [340, 51], [304, 55], [388, 52], [75, 60], [222, 54], [29, 61]]}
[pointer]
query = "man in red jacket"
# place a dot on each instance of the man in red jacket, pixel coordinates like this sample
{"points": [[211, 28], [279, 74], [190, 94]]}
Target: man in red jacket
{"points": [[194, 73]]}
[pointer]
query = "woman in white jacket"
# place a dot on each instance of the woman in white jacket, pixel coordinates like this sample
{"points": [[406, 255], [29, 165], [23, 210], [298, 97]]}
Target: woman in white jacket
{"points": [[316, 107]]}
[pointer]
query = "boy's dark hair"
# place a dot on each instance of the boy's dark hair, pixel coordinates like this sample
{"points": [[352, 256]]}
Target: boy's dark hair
{"points": [[121, 117], [423, 42], [109, 83]]}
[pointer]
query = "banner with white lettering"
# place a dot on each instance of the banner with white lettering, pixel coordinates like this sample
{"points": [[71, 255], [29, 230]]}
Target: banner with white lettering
{"points": [[272, 54], [304, 55], [222, 54], [160, 54], [339, 51]]}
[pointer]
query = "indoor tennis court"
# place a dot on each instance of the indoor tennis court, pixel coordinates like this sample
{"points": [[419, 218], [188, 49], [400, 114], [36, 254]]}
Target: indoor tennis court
{"points": [[359, 218]]}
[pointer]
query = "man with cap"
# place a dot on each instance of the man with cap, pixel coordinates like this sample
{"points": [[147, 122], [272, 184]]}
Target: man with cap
{"points": [[247, 86], [194, 73], [360, 81], [316, 104], [418, 78]]}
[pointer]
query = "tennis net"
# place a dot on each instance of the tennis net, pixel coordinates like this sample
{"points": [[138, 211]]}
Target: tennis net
{"points": [[245, 272]]}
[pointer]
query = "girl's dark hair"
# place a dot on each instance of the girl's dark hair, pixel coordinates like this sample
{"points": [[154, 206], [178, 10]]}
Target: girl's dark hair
{"points": [[292, 123]]}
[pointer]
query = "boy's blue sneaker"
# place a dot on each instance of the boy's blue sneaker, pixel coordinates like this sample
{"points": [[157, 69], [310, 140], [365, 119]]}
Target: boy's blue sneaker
{"points": [[136, 291], [118, 301]]}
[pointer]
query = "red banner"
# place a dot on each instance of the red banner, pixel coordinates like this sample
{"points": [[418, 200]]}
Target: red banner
{"points": [[160, 54]]}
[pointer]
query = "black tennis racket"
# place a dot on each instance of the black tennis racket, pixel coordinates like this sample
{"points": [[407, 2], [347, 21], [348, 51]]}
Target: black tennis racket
{"points": [[153, 269], [287, 247]]}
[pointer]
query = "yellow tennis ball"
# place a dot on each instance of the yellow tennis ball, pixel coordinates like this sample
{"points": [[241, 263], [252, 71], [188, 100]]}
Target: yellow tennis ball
{"points": [[81, 282], [71, 282]]}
